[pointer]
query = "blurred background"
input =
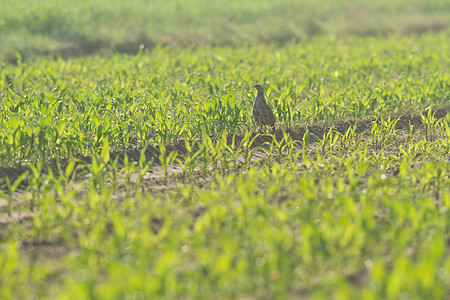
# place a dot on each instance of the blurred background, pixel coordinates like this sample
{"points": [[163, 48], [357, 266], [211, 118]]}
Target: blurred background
{"points": [[74, 28]]}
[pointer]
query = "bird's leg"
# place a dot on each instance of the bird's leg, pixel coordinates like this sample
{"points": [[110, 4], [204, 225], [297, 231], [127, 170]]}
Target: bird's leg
{"points": [[262, 129], [258, 128]]}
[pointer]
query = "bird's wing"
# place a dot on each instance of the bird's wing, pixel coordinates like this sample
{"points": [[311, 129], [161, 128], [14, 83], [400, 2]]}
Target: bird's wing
{"points": [[258, 118], [268, 116]]}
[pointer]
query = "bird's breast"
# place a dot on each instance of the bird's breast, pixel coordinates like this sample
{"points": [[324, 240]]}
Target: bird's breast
{"points": [[259, 102]]}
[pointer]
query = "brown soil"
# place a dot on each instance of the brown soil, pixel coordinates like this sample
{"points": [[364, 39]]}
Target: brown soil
{"points": [[296, 133]]}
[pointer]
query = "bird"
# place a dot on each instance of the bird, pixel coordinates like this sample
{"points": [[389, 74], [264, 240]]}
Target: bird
{"points": [[262, 112]]}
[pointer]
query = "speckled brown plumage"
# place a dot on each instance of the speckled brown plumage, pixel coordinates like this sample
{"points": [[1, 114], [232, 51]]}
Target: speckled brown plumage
{"points": [[261, 110]]}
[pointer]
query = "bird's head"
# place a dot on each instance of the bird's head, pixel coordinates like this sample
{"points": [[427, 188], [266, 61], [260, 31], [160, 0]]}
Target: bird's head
{"points": [[259, 88]]}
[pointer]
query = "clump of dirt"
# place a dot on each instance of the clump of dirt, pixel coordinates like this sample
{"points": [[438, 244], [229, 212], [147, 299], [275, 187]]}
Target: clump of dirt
{"points": [[49, 249]]}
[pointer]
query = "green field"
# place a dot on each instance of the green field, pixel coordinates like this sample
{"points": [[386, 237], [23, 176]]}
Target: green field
{"points": [[69, 28], [130, 173]]}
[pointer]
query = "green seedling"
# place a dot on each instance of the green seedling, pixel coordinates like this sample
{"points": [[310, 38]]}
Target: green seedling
{"points": [[166, 159], [12, 187]]}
